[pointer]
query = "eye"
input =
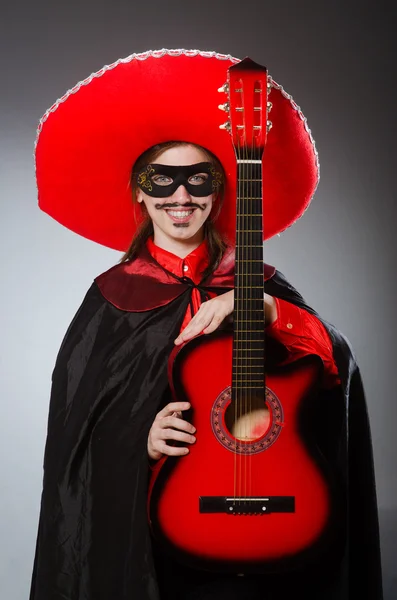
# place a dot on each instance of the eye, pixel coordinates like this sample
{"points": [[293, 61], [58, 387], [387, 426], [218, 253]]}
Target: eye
{"points": [[161, 179], [198, 179]]}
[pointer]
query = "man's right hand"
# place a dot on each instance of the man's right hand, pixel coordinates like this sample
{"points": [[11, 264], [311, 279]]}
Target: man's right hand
{"points": [[169, 425]]}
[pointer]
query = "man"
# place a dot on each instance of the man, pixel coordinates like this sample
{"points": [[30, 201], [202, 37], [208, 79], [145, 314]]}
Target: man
{"points": [[110, 396]]}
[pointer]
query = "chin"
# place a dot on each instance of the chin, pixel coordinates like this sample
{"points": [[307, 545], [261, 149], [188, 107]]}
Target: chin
{"points": [[183, 233]]}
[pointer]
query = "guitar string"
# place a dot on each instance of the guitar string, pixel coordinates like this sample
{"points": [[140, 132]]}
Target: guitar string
{"points": [[250, 303], [249, 334], [242, 353], [245, 288], [246, 267], [237, 356], [243, 398]]}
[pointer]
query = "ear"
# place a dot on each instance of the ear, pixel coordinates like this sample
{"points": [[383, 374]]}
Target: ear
{"points": [[139, 195]]}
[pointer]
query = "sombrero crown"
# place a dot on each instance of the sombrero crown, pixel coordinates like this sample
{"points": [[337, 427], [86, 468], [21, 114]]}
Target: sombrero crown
{"points": [[88, 141]]}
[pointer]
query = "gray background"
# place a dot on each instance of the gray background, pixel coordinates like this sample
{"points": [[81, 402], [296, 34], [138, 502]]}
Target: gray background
{"points": [[337, 62]]}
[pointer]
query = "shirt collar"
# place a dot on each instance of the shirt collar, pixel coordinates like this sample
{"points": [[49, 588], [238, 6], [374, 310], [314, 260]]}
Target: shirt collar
{"points": [[191, 266]]}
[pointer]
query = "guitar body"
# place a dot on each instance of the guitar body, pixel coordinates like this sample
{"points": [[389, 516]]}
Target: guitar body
{"points": [[261, 505]]}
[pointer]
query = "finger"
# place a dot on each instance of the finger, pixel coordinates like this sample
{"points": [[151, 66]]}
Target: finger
{"points": [[179, 424], [177, 414], [172, 407], [194, 328], [172, 450], [172, 434], [216, 321]]}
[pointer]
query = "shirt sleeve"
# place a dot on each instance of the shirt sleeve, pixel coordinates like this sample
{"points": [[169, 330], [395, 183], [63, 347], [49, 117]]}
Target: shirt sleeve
{"points": [[302, 333]]}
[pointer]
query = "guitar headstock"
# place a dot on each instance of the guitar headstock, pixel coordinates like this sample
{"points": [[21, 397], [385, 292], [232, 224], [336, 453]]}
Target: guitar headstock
{"points": [[247, 89]]}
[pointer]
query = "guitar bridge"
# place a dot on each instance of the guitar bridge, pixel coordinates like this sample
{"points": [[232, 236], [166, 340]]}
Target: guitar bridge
{"points": [[258, 505]]}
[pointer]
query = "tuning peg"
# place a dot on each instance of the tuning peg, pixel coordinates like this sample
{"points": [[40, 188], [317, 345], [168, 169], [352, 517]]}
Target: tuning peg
{"points": [[224, 107], [226, 126], [269, 125], [224, 88], [269, 106]]}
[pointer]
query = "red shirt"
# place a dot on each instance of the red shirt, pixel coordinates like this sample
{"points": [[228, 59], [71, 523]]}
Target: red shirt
{"points": [[299, 331]]}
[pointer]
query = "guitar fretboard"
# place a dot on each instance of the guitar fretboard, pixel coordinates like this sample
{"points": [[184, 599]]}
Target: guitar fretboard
{"points": [[249, 322]]}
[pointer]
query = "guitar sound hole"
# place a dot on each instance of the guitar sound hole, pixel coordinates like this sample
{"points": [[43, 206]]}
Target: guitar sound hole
{"points": [[249, 420]]}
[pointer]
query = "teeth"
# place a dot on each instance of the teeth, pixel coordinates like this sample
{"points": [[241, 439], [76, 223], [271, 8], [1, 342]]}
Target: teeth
{"points": [[180, 214]]}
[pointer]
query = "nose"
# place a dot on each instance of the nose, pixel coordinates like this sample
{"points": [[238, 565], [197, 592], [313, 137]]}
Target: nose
{"points": [[181, 195]]}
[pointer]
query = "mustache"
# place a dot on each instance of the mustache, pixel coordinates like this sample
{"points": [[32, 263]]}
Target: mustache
{"points": [[184, 206]]}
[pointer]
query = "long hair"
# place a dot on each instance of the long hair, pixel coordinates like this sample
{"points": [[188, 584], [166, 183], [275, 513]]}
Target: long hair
{"points": [[216, 244]]}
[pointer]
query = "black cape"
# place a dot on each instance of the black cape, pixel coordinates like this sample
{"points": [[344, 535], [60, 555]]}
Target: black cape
{"points": [[108, 383]]}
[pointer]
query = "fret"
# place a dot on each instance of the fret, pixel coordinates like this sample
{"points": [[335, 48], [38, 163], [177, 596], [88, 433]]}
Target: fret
{"points": [[257, 383], [255, 193], [245, 351], [240, 300], [247, 343], [246, 368], [246, 331], [256, 330], [257, 380], [249, 380], [259, 310], [253, 372], [245, 358], [249, 310], [240, 198], [241, 338], [241, 382], [251, 349], [255, 312], [251, 320], [250, 387], [251, 179]]}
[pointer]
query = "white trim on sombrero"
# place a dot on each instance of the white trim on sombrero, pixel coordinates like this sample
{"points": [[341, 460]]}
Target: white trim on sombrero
{"points": [[131, 57], [179, 52], [303, 118]]}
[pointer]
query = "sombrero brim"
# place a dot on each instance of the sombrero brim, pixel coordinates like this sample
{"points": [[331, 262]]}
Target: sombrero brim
{"points": [[88, 141]]}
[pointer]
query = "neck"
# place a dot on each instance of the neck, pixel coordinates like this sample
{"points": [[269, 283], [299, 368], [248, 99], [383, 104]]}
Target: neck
{"points": [[180, 248]]}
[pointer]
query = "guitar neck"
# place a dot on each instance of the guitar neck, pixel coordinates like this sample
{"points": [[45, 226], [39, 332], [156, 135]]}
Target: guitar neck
{"points": [[249, 319]]}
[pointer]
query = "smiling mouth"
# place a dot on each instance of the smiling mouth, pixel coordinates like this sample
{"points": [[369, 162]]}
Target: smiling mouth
{"points": [[180, 216]]}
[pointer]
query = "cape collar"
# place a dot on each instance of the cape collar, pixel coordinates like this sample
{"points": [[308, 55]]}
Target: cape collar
{"points": [[143, 284]]}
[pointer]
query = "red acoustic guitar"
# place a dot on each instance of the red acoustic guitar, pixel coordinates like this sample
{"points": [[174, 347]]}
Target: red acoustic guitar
{"points": [[254, 494]]}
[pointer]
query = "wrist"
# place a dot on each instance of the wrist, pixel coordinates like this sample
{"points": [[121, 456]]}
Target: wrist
{"points": [[230, 296], [270, 309]]}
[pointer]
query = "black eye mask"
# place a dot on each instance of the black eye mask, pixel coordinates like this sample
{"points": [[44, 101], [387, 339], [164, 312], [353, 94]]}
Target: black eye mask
{"points": [[179, 176]]}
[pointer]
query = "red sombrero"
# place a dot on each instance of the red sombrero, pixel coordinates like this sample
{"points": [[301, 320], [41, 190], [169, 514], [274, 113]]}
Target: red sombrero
{"points": [[88, 141]]}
